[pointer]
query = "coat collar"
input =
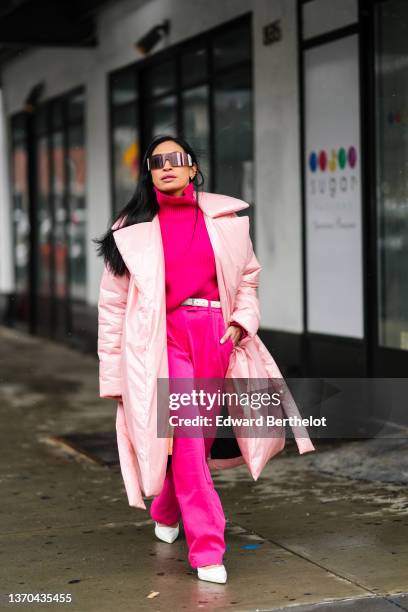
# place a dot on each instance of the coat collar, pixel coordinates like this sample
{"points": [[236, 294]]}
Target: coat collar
{"points": [[216, 205], [213, 205], [135, 241]]}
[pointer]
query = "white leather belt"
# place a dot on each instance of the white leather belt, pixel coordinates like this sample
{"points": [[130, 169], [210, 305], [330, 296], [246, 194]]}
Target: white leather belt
{"points": [[201, 302]]}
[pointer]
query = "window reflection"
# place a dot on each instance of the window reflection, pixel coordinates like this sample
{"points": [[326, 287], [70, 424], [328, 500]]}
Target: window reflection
{"points": [[44, 222], [161, 79], [21, 219], [125, 136], [60, 216], [77, 211], [124, 88], [163, 116], [232, 47], [194, 66], [196, 124], [54, 249], [233, 134], [126, 154], [201, 86], [392, 161]]}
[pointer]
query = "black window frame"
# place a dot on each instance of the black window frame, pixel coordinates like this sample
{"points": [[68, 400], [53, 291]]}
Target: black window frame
{"points": [[175, 53], [46, 107]]}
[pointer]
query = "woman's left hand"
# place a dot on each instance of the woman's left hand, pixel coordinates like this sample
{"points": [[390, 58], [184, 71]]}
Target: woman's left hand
{"points": [[234, 332]]}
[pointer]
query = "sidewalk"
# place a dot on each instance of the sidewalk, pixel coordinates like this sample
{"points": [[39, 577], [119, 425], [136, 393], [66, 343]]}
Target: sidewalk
{"points": [[302, 536]]}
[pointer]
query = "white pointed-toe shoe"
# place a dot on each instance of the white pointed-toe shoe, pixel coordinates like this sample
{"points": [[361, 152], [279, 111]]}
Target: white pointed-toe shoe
{"points": [[166, 533], [216, 573]]}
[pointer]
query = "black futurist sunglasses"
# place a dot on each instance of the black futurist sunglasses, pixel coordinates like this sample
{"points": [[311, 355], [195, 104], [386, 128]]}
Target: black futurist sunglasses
{"points": [[176, 158]]}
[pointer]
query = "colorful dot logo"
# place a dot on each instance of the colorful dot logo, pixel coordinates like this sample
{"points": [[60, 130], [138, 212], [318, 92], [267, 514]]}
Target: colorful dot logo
{"points": [[352, 157], [322, 160], [342, 157], [398, 117], [337, 159], [313, 161]]}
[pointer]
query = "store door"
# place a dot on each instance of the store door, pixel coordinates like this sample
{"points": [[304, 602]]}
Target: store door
{"points": [[49, 217], [390, 327]]}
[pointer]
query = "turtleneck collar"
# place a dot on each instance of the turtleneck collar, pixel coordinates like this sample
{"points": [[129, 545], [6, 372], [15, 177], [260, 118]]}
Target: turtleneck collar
{"points": [[187, 197]]}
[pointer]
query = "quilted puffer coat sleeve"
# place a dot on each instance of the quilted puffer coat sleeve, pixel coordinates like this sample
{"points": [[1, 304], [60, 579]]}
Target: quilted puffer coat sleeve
{"points": [[111, 313], [246, 307]]}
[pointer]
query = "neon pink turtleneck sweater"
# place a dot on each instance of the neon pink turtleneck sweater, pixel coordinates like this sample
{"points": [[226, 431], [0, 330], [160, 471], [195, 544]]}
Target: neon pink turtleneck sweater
{"points": [[189, 260]]}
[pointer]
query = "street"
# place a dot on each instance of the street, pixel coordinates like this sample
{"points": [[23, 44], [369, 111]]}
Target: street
{"points": [[301, 536]]}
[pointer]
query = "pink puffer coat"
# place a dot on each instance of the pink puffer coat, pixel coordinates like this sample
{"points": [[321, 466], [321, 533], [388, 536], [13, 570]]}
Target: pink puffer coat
{"points": [[132, 346]]}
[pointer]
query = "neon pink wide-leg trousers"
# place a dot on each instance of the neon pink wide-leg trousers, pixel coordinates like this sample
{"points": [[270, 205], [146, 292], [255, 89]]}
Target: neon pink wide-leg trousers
{"points": [[194, 351]]}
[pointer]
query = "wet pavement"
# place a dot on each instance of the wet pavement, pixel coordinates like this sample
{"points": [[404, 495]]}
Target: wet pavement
{"points": [[307, 534]]}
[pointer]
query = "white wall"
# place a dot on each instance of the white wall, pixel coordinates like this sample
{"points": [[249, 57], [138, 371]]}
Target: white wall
{"points": [[277, 168], [276, 136]]}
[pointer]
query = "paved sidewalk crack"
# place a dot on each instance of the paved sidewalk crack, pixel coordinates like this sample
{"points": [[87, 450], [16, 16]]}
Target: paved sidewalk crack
{"points": [[388, 598]]}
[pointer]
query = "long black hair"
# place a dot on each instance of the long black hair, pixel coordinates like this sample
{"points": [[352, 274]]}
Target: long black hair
{"points": [[142, 206]]}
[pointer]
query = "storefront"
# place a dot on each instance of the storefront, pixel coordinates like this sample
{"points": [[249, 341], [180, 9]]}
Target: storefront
{"points": [[297, 107], [390, 23], [48, 165], [355, 187], [200, 88]]}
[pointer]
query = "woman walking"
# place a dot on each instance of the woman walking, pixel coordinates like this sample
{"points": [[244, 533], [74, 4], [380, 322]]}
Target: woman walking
{"points": [[178, 301]]}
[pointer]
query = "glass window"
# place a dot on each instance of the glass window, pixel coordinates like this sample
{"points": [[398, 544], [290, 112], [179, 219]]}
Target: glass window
{"points": [[187, 94], [194, 66], [57, 114], [392, 162], [76, 106], [60, 215], [44, 220], [41, 120], [161, 79], [21, 219], [59, 208], [196, 126], [77, 211], [124, 87], [18, 129], [125, 136], [163, 116], [232, 47], [233, 134], [126, 154]]}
